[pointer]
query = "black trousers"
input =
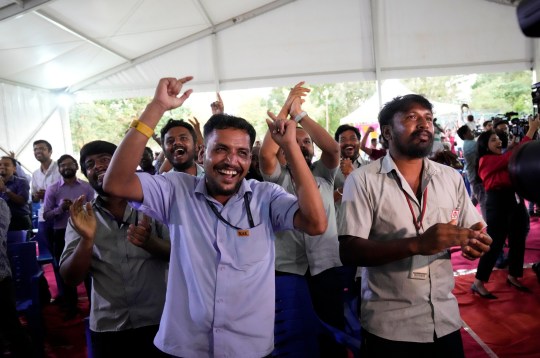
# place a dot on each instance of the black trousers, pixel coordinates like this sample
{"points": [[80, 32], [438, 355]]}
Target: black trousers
{"points": [[449, 346], [505, 218], [11, 329], [69, 293], [138, 342]]}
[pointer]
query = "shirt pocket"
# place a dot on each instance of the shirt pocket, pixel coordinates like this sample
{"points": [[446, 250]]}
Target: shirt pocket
{"points": [[252, 246]]}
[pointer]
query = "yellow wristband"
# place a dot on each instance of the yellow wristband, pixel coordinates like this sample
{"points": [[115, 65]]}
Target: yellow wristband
{"points": [[142, 128]]}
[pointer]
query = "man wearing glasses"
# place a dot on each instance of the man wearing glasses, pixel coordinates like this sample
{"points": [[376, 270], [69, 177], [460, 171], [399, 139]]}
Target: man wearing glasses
{"points": [[58, 199]]}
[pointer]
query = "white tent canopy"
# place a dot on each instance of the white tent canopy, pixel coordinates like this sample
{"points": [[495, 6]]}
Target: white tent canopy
{"points": [[367, 113], [120, 48]]}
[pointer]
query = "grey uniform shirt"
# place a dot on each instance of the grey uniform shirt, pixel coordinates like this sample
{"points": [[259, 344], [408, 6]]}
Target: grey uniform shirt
{"points": [[128, 283], [295, 250], [374, 207]]}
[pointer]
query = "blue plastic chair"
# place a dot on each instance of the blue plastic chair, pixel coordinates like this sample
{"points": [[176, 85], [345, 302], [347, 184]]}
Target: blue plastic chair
{"points": [[16, 237], [26, 275], [297, 326]]}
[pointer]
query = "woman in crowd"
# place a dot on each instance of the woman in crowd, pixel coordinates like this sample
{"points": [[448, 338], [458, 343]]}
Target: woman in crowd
{"points": [[505, 211]]}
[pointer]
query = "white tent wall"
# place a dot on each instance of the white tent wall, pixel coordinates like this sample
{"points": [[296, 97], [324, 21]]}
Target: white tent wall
{"points": [[27, 115], [114, 49], [342, 40]]}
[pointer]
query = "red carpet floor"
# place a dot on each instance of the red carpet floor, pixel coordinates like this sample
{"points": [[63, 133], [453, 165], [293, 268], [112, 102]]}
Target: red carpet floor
{"points": [[510, 325], [64, 338]]}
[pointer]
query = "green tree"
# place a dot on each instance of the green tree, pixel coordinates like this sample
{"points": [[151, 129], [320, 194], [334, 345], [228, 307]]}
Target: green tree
{"points": [[327, 101], [502, 92], [109, 119], [439, 89]]}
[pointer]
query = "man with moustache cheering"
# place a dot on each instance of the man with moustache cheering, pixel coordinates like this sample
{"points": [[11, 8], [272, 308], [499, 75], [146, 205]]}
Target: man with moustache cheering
{"points": [[399, 217], [220, 292]]}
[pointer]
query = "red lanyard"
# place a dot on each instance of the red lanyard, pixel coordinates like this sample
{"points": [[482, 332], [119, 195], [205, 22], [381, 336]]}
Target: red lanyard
{"points": [[417, 223]]}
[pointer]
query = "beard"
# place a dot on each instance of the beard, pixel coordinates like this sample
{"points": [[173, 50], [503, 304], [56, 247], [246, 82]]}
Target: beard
{"points": [[68, 174], [308, 156], [415, 150]]}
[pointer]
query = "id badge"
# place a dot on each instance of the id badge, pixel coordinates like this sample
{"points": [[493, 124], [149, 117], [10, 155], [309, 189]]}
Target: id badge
{"points": [[243, 233], [419, 268]]}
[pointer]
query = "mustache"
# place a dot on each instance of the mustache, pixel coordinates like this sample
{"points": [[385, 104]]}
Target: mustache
{"points": [[420, 132]]}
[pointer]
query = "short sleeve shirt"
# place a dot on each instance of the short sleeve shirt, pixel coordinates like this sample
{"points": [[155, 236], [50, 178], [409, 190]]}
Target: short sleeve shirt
{"points": [[220, 294], [128, 283], [296, 252], [374, 207]]}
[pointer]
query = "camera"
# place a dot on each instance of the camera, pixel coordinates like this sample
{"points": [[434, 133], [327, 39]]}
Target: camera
{"points": [[535, 94]]}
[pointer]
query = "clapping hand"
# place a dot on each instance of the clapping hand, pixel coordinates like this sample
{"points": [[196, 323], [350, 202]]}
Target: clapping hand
{"points": [[139, 235], [83, 218]]}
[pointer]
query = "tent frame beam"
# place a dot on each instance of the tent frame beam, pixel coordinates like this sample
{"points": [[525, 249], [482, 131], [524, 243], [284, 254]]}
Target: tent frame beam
{"points": [[213, 29]]}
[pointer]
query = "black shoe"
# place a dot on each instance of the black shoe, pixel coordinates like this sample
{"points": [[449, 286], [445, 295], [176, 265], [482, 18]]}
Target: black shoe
{"points": [[518, 286], [489, 295]]}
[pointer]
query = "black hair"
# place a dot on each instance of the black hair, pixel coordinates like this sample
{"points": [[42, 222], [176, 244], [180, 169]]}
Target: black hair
{"points": [[401, 104], [482, 143], [486, 123], [345, 127], [224, 121], [172, 123], [43, 141], [64, 157], [462, 131], [95, 147], [12, 160], [149, 150]]}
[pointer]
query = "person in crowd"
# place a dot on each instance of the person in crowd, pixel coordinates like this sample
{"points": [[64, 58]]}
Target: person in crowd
{"points": [[45, 175], [470, 153], [316, 257], [487, 125], [13, 336], [506, 214], [15, 191], [179, 143], [374, 143], [348, 138], [19, 169], [58, 199], [254, 172], [400, 215], [220, 294], [438, 136], [500, 126], [146, 164], [471, 123], [127, 255], [374, 154]]}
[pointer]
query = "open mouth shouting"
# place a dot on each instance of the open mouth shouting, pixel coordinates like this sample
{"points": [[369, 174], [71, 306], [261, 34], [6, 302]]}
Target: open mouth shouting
{"points": [[349, 150], [228, 174]]}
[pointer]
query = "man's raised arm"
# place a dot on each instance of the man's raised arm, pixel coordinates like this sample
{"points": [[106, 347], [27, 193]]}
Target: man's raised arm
{"points": [[311, 216], [120, 179]]}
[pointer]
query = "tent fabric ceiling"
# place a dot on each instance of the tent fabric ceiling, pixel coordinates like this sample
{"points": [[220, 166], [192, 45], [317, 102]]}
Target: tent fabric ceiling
{"points": [[103, 48]]}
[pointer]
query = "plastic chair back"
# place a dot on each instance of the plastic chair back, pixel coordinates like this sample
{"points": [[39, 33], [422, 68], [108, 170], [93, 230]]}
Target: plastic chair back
{"points": [[16, 237], [26, 275], [297, 326]]}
